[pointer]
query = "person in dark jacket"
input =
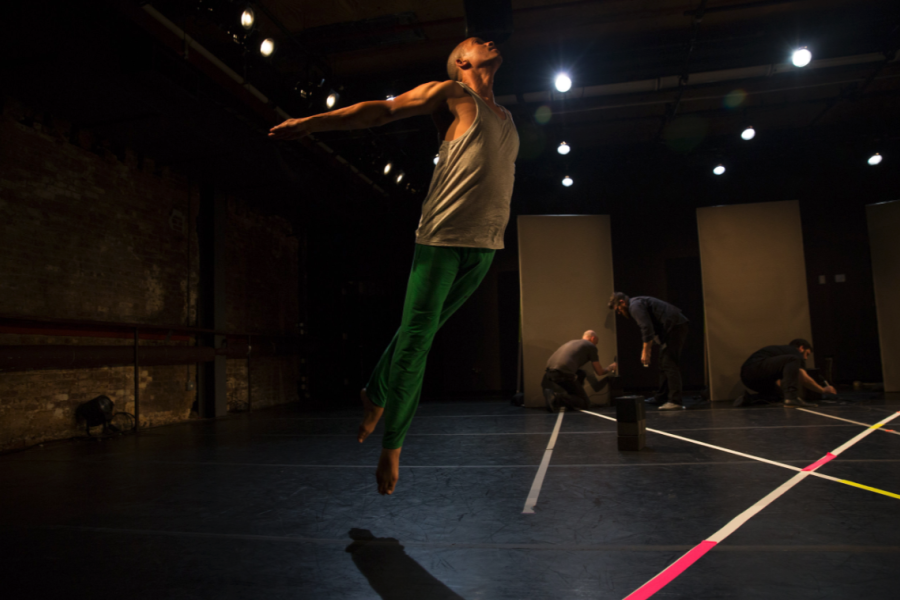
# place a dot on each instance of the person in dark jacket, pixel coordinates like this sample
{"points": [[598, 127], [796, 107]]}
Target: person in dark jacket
{"points": [[658, 321], [777, 372]]}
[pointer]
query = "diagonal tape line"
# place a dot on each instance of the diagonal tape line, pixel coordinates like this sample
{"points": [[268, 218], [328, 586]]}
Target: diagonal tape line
{"points": [[668, 574], [865, 433], [834, 453], [813, 412], [698, 442], [858, 485], [532, 499]]}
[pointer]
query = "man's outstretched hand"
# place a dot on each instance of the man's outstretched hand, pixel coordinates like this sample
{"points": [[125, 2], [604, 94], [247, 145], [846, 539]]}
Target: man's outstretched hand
{"points": [[388, 471], [292, 129]]}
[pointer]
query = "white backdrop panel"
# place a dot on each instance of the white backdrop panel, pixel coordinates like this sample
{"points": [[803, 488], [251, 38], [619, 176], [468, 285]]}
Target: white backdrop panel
{"points": [[884, 241], [566, 279], [754, 285]]}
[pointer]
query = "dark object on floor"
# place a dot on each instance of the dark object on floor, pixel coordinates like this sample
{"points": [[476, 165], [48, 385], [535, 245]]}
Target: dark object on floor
{"points": [[631, 423], [630, 409], [518, 399], [624, 428], [632, 443], [98, 411]]}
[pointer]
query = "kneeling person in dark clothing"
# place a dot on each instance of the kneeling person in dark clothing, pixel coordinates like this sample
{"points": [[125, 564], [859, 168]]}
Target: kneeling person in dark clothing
{"points": [[563, 382], [777, 372]]}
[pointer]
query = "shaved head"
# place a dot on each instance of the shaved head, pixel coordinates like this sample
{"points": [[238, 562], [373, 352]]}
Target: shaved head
{"points": [[458, 53], [589, 335]]}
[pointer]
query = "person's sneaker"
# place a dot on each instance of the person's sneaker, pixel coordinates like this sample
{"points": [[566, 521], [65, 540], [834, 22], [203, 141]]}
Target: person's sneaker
{"points": [[671, 406], [797, 402]]}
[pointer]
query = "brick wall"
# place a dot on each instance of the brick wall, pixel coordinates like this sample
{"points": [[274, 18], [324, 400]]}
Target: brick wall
{"points": [[89, 232], [262, 296]]}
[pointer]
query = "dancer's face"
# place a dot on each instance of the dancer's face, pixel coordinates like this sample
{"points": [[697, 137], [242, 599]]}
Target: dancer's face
{"points": [[480, 53]]}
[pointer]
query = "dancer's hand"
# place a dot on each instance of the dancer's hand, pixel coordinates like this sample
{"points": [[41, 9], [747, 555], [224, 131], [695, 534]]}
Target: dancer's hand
{"points": [[292, 129], [612, 368], [645, 357], [388, 471], [829, 389]]}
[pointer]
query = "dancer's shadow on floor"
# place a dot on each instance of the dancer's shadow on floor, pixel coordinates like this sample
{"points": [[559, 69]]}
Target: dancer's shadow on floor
{"points": [[391, 572]]}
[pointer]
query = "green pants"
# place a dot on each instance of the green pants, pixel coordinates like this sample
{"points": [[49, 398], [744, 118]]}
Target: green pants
{"points": [[442, 279]]}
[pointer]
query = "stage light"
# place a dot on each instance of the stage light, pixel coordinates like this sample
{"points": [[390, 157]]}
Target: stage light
{"points": [[875, 159], [437, 158], [248, 18], [399, 177], [98, 411], [748, 134], [267, 47], [719, 170], [801, 57], [567, 181], [332, 99], [564, 148], [387, 168], [390, 97], [563, 83]]}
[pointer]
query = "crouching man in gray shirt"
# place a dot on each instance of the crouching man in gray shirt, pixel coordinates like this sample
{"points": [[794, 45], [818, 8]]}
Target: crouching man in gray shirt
{"points": [[563, 382]]}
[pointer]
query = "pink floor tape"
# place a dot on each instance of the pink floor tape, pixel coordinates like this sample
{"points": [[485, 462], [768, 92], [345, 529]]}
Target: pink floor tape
{"points": [[674, 570], [820, 462]]}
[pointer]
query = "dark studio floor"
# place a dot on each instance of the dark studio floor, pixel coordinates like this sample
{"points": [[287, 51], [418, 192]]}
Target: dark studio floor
{"points": [[265, 505]]}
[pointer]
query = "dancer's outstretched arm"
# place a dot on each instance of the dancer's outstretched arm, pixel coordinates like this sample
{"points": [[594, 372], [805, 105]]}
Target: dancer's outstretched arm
{"points": [[423, 100]]}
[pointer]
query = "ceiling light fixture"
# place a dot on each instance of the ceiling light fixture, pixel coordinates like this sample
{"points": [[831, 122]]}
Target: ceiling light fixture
{"points": [[248, 18], [748, 134], [437, 158], [719, 170], [267, 47], [875, 159], [387, 168], [567, 181], [563, 83], [801, 57], [332, 99], [399, 177], [564, 148]]}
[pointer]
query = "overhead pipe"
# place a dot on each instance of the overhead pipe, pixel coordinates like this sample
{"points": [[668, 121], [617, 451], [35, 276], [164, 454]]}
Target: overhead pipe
{"points": [[671, 82], [190, 42]]}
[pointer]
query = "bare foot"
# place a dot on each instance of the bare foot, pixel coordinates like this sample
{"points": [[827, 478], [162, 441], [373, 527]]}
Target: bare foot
{"points": [[388, 471], [371, 414]]}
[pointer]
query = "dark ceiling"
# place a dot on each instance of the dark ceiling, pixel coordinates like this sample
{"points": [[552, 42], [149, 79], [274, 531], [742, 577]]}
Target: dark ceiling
{"points": [[661, 78]]}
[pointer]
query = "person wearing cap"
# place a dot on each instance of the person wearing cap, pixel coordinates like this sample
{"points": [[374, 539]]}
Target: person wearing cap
{"points": [[662, 322], [563, 382], [777, 372]]}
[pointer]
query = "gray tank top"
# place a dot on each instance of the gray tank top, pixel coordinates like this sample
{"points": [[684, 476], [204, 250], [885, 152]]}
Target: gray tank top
{"points": [[468, 199]]}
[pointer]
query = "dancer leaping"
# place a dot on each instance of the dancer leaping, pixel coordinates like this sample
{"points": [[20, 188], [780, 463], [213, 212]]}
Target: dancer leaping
{"points": [[463, 220]]}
